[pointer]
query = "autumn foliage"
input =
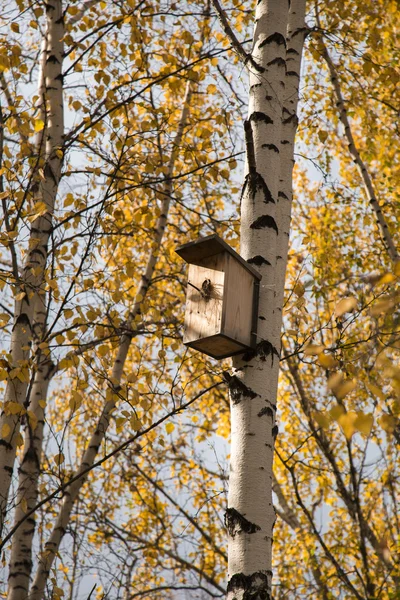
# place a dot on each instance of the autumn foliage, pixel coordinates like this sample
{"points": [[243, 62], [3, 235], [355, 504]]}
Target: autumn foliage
{"points": [[120, 138]]}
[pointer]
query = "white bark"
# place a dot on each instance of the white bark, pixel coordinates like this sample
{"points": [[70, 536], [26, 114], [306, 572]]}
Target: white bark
{"points": [[250, 515], [29, 471], [296, 32], [71, 493], [34, 266]]}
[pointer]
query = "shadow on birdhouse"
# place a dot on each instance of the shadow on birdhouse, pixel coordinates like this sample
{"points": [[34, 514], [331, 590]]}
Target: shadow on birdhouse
{"points": [[221, 298]]}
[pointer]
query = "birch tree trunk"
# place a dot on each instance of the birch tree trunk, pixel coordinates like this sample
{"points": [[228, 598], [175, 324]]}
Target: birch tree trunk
{"points": [[265, 220], [32, 277], [29, 471]]}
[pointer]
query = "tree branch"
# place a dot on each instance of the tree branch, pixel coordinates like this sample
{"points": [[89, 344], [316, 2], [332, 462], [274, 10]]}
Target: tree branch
{"points": [[236, 45]]}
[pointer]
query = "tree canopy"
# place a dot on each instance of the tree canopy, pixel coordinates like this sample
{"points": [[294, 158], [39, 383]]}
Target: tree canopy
{"points": [[121, 137]]}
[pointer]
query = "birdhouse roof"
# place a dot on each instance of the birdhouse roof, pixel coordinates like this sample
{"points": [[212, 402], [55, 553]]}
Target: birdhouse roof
{"points": [[194, 252]]}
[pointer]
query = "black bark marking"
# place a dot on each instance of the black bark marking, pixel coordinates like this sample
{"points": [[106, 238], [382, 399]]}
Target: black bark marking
{"points": [[8, 446], [237, 523], [282, 195], [237, 388], [270, 147], [303, 30], [258, 260], [292, 119], [260, 117], [292, 51], [254, 87], [275, 431], [293, 74], [262, 350], [264, 222], [285, 142], [251, 157], [277, 61], [276, 37], [53, 59], [266, 411], [252, 587], [262, 318], [254, 182], [23, 320]]}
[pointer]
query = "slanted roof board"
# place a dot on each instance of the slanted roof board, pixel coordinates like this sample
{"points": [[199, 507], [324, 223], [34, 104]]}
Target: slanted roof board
{"points": [[194, 252]]}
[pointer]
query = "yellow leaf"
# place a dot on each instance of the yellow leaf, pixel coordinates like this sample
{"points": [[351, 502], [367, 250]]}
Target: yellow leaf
{"points": [[334, 380], [336, 411], [169, 427], [13, 408], [299, 289], [388, 423], [135, 423], [33, 421], [323, 135], [375, 390], [345, 305], [14, 27], [24, 505], [5, 430], [347, 423], [322, 419], [364, 423], [42, 403], [59, 458], [345, 388], [327, 361], [39, 124], [386, 303], [103, 350], [387, 278], [313, 350]]}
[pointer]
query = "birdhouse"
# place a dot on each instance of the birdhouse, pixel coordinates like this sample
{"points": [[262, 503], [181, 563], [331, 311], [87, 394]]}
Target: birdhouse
{"points": [[221, 299]]}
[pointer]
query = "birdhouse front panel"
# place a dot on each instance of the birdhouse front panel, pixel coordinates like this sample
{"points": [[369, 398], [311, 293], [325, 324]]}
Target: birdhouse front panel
{"points": [[204, 300]]}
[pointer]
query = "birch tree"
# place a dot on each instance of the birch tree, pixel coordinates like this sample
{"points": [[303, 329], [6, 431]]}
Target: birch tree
{"points": [[265, 222]]}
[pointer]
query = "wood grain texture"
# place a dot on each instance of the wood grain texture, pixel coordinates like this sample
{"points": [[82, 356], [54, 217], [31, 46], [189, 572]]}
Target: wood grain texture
{"points": [[203, 316]]}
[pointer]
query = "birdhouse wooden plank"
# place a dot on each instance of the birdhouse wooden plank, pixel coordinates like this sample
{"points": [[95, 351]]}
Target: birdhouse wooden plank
{"points": [[221, 300]]}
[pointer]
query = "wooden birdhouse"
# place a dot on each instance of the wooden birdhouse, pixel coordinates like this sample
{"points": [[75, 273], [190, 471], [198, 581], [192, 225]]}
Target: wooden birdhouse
{"points": [[221, 298]]}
